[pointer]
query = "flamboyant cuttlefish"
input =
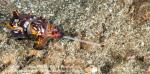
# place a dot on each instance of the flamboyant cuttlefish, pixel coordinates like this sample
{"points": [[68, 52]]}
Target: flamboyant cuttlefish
{"points": [[31, 26]]}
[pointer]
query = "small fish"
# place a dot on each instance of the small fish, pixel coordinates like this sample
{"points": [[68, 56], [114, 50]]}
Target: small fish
{"points": [[38, 28]]}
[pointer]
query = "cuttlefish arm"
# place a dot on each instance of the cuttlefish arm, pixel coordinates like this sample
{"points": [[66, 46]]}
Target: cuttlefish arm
{"points": [[40, 42]]}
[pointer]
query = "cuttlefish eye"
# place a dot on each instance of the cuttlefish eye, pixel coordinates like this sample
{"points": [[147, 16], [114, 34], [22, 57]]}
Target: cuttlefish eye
{"points": [[55, 31]]}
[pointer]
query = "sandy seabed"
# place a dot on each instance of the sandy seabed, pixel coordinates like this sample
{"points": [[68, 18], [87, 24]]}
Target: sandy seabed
{"points": [[120, 27]]}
